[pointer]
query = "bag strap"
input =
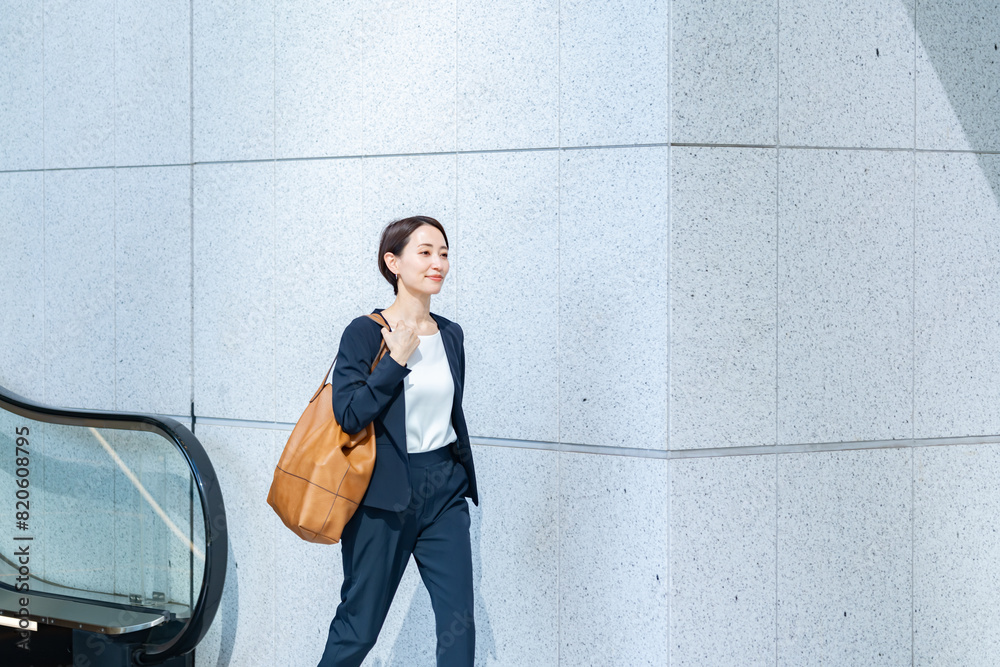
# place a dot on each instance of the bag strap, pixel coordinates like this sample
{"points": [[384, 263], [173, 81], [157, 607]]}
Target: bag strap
{"points": [[372, 315], [383, 348]]}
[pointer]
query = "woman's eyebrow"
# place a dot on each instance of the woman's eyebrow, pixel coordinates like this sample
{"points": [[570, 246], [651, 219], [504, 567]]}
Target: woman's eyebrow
{"points": [[428, 244]]}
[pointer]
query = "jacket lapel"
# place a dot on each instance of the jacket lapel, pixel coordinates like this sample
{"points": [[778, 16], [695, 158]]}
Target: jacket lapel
{"points": [[452, 353], [395, 421]]}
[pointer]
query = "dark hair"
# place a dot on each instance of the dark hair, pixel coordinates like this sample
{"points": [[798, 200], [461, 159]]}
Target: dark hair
{"points": [[395, 236]]}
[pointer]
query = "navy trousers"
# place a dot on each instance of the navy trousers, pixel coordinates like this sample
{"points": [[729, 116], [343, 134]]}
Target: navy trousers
{"points": [[376, 546]]}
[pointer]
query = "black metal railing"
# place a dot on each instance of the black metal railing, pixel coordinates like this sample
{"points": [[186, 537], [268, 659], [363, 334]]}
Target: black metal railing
{"points": [[111, 523]]}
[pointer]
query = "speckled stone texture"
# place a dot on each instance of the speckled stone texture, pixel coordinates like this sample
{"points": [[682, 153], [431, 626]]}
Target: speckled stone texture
{"points": [[22, 272], [957, 287], [844, 558], [152, 82], [408, 98], [722, 561], [613, 74], [958, 75], [234, 357], [723, 297], [613, 290], [316, 243], [21, 94], [515, 556], [508, 74], [508, 229], [845, 295], [79, 104], [233, 80], [955, 550], [79, 289], [153, 289], [724, 71], [612, 559], [845, 74], [262, 589], [317, 78]]}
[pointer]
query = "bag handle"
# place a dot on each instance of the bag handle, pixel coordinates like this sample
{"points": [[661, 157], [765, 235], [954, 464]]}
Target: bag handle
{"points": [[383, 348]]}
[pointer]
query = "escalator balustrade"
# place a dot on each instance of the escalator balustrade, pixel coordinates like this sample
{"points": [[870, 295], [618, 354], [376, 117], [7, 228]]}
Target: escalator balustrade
{"points": [[113, 541]]}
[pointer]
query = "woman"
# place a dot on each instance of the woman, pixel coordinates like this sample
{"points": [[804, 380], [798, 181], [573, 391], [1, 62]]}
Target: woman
{"points": [[415, 502]]}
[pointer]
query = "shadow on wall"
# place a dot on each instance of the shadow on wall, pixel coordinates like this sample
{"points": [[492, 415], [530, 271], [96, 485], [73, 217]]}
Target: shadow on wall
{"points": [[229, 613], [958, 79]]}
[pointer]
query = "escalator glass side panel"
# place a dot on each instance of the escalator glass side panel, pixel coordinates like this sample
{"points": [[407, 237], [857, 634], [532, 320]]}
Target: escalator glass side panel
{"points": [[109, 516]]}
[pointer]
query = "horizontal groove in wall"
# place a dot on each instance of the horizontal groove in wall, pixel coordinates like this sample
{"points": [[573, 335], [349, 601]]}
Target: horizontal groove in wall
{"points": [[516, 150], [639, 452]]}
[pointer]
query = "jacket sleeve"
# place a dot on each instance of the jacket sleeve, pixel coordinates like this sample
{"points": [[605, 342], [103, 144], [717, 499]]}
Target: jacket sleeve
{"points": [[359, 394], [461, 356]]}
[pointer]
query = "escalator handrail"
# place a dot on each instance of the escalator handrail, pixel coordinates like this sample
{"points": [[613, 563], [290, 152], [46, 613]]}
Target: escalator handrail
{"points": [[209, 492]]}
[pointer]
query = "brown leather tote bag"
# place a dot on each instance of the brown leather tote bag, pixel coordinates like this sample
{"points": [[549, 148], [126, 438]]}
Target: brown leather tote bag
{"points": [[323, 472]]}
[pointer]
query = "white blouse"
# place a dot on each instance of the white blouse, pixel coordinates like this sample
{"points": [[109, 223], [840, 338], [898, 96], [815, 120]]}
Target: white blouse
{"points": [[429, 393]]}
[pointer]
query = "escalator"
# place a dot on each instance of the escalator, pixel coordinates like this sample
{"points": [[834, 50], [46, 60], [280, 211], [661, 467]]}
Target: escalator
{"points": [[113, 542]]}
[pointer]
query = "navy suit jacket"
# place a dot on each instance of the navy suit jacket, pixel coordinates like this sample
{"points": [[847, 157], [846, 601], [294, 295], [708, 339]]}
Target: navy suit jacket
{"points": [[362, 396]]}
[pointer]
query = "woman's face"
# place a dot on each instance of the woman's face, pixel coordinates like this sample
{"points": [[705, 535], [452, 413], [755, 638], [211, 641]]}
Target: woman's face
{"points": [[423, 265]]}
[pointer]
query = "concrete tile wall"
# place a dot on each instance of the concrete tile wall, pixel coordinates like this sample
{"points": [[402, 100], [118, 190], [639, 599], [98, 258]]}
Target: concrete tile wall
{"points": [[78, 109], [724, 62], [613, 297], [317, 78], [723, 547], [955, 542], [21, 86], [844, 558], [79, 340], [957, 249], [152, 82], [612, 559], [233, 307], [22, 328], [699, 239], [153, 289], [957, 88], [511, 331], [233, 80], [254, 596], [507, 74], [613, 72], [317, 216], [409, 91], [518, 596], [723, 289], [845, 295], [845, 73]]}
